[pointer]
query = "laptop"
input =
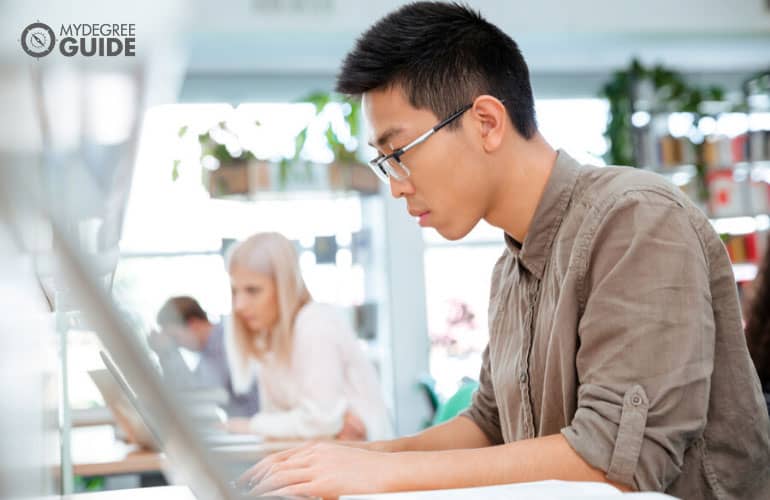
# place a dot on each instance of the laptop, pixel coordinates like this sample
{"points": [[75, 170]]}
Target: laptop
{"points": [[211, 435], [123, 409]]}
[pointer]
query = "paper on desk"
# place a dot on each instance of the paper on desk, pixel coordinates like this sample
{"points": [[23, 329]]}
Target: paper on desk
{"points": [[541, 490]]}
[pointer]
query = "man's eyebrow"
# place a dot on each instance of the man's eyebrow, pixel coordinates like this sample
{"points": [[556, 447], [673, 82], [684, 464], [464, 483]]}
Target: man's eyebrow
{"points": [[385, 137]]}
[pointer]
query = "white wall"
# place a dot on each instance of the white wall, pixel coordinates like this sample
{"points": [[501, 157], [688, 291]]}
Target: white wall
{"points": [[515, 15]]}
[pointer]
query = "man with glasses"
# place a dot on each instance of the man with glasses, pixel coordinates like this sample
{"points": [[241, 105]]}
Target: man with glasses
{"points": [[616, 350]]}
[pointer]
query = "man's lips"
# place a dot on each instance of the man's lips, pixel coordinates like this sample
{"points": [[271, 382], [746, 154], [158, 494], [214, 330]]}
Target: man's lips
{"points": [[422, 216]]}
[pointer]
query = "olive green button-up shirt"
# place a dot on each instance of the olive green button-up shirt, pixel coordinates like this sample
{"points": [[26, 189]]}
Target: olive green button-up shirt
{"points": [[617, 323]]}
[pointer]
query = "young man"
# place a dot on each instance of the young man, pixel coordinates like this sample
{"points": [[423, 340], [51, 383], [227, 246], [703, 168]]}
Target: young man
{"points": [[184, 323], [616, 350]]}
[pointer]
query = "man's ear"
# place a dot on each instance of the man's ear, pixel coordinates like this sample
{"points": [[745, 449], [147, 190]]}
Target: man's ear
{"points": [[491, 119]]}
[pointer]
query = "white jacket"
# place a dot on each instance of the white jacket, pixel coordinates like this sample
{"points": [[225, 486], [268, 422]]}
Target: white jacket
{"points": [[329, 374]]}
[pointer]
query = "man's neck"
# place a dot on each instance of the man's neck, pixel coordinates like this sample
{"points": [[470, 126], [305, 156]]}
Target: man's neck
{"points": [[524, 168]]}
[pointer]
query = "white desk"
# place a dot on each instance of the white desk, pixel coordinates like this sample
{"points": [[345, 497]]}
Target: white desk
{"points": [[97, 452], [525, 490]]}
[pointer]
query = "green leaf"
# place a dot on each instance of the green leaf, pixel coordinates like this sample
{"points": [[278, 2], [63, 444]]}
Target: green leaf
{"points": [[182, 131], [331, 138], [221, 153], [299, 143], [283, 173], [672, 93], [715, 93], [318, 99], [354, 117], [175, 171]]}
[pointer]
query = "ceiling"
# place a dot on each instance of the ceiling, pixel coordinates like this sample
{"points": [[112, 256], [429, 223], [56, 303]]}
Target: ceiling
{"points": [[279, 49]]}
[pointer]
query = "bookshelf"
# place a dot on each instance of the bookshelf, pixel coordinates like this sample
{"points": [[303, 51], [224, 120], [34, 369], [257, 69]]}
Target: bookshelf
{"points": [[718, 152]]}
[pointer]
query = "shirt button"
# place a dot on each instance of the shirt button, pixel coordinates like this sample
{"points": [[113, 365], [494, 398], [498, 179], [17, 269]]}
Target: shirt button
{"points": [[636, 400], [523, 377]]}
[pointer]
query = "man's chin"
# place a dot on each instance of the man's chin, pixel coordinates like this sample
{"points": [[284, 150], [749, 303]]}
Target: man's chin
{"points": [[452, 233]]}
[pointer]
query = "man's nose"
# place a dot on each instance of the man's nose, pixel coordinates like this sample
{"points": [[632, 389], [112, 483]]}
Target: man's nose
{"points": [[400, 188]]}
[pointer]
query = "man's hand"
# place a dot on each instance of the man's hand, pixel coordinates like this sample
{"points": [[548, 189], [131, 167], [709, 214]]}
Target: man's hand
{"points": [[321, 469], [329, 470]]}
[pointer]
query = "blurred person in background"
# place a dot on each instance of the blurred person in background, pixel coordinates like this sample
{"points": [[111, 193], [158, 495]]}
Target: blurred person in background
{"points": [[184, 323], [315, 380]]}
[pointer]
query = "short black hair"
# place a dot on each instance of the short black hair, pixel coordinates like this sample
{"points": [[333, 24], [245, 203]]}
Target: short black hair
{"points": [[443, 55]]}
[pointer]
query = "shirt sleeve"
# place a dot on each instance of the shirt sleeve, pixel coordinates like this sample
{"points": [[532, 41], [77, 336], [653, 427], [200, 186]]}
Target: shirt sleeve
{"points": [[318, 368], [483, 411], [646, 342]]}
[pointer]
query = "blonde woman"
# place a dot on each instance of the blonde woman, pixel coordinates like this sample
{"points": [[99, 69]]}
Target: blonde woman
{"points": [[314, 379]]}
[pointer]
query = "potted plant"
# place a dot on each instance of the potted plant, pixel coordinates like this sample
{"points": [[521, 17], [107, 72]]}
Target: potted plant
{"points": [[228, 168], [231, 169], [345, 172], [668, 92]]}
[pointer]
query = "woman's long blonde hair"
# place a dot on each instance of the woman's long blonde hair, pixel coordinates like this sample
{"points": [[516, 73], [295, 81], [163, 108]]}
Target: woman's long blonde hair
{"points": [[273, 255]]}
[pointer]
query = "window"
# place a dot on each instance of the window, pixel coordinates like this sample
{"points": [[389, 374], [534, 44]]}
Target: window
{"points": [[174, 232]]}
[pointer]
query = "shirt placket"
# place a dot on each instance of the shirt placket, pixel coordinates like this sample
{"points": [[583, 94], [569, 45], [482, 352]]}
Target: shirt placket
{"points": [[525, 354]]}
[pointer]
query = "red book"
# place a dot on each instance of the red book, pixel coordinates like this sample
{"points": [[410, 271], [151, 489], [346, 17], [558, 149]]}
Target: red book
{"points": [[751, 247], [738, 145]]}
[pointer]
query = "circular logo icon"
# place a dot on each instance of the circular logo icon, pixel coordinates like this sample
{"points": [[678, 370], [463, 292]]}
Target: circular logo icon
{"points": [[38, 39]]}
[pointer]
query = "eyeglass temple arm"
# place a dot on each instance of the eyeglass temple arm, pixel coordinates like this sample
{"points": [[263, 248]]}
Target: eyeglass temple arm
{"points": [[449, 119], [432, 131]]}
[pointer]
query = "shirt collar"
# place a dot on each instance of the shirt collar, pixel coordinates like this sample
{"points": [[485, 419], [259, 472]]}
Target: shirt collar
{"points": [[549, 213]]}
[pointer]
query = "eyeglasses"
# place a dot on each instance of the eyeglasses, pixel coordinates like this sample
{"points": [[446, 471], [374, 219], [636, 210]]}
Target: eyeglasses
{"points": [[390, 166]]}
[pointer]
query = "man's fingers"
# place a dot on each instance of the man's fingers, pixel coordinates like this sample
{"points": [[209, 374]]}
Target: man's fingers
{"points": [[258, 471], [255, 469], [280, 480], [248, 473], [298, 489], [265, 462]]}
